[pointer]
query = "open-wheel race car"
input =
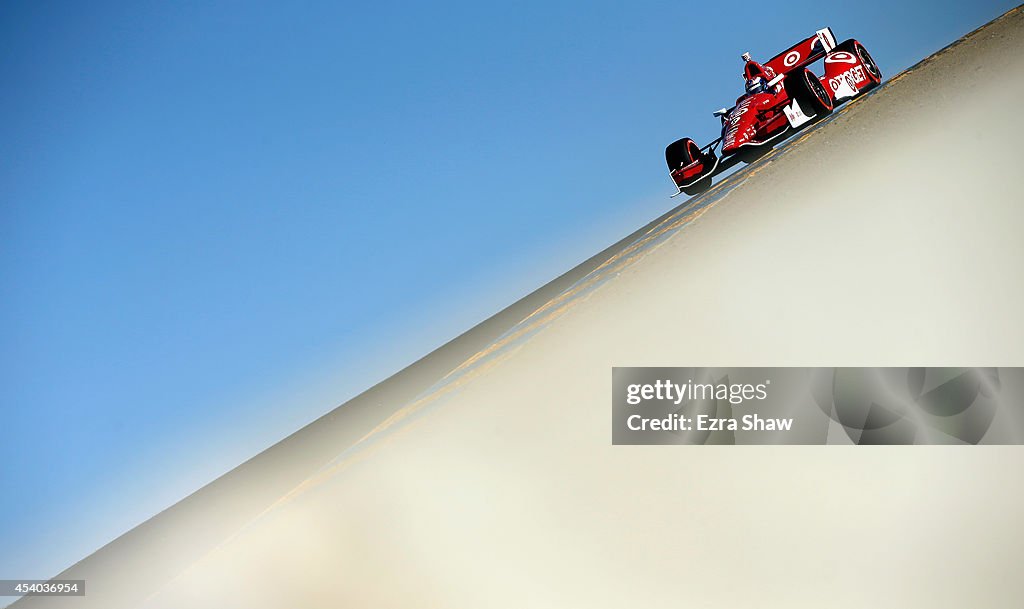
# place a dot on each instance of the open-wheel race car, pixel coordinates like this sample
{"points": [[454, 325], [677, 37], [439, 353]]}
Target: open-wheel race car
{"points": [[781, 96]]}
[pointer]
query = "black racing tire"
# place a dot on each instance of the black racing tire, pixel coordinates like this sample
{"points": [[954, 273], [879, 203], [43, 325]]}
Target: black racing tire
{"points": [[804, 87], [698, 187], [692, 151], [684, 151], [752, 154], [857, 49]]}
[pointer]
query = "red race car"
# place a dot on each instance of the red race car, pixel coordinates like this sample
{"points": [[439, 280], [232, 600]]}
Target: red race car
{"points": [[781, 96]]}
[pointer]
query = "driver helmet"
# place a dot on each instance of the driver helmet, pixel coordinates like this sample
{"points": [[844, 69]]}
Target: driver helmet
{"points": [[756, 84], [755, 74]]}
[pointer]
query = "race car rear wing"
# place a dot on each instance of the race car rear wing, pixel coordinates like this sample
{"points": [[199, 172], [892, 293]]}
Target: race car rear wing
{"points": [[803, 53]]}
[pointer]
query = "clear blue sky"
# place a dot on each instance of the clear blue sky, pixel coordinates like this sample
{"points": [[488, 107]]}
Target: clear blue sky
{"points": [[222, 219]]}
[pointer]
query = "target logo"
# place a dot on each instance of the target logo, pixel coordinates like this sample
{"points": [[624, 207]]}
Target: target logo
{"points": [[852, 76], [841, 57], [791, 58]]}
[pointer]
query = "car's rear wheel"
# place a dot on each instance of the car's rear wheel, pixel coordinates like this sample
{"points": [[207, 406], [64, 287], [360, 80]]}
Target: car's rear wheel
{"points": [[805, 88], [870, 67]]}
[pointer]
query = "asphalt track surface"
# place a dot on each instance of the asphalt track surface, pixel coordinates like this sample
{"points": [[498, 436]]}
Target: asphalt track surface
{"points": [[483, 475]]}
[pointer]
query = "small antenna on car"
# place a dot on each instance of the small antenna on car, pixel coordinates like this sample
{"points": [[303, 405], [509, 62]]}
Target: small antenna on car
{"points": [[745, 56]]}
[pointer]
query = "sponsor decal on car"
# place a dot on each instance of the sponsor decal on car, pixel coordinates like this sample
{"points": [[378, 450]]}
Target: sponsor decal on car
{"points": [[732, 122], [841, 57], [854, 76]]}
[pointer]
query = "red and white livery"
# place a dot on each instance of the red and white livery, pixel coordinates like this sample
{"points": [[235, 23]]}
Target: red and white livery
{"points": [[781, 96]]}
